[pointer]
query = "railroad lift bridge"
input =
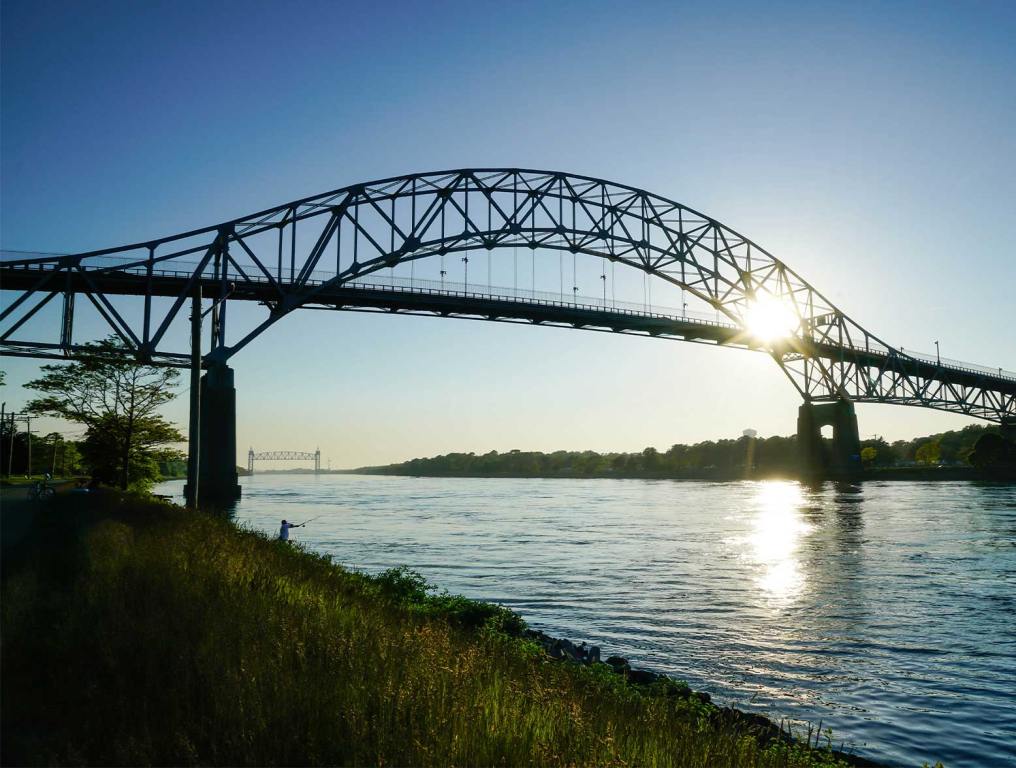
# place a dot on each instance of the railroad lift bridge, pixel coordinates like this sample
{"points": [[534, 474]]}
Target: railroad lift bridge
{"points": [[314, 456], [405, 245]]}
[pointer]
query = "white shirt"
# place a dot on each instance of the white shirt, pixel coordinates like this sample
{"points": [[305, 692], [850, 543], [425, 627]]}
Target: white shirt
{"points": [[284, 531]]}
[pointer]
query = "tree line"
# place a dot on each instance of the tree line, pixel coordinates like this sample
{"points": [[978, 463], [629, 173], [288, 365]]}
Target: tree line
{"points": [[755, 456]]}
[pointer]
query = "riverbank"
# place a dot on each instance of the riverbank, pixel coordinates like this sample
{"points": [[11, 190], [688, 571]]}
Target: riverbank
{"points": [[136, 632], [902, 474]]}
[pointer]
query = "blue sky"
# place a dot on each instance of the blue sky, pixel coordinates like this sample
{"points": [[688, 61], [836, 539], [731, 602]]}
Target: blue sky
{"points": [[868, 145]]}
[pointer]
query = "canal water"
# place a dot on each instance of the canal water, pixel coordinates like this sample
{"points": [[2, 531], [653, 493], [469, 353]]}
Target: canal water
{"points": [[887, 611]]}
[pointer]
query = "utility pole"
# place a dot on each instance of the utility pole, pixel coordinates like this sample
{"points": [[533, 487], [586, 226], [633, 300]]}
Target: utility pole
{"points": [[28, 428], [194, 438], [10, 453], [3, 416], [52, 469]]}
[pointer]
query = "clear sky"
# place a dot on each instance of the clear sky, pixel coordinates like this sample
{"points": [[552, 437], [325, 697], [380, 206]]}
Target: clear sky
{"points": [[871, 146]]}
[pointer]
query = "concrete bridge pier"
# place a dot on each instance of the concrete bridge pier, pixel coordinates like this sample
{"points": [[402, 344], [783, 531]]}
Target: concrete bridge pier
{"points": [[1008, 430], [843, 458], [217, 477]]}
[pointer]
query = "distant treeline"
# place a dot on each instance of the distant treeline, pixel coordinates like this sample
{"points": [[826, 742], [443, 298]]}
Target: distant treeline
{"points": [[758, 456]]}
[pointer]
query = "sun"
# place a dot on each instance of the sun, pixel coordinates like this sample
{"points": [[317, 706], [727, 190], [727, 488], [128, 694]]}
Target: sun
{"points": [[768, 318]]}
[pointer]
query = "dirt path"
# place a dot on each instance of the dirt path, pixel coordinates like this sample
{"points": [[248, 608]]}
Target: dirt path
{"points": [[17, 512]]}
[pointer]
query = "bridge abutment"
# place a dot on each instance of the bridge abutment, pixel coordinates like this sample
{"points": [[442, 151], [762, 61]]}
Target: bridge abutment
{"points": [[217, 478], [843, 458]]}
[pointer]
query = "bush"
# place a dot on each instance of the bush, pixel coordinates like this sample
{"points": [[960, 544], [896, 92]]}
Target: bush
{"points": [[402, 585]]}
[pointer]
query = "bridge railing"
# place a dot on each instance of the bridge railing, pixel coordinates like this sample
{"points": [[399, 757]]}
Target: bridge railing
{"points": [[545, 298], [942, 362], [374, 281]]}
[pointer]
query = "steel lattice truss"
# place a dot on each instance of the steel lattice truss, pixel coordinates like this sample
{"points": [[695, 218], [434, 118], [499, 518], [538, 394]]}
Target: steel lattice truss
{"points": [[322, 252], [284, 455], [314, 456]]}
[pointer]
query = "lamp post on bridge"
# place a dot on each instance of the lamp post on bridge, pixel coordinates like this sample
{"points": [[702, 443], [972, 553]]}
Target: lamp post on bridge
{"points": [[938, 356]]}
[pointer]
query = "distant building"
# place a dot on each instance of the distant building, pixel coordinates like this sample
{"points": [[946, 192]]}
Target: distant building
{"points": [[750, 433]]}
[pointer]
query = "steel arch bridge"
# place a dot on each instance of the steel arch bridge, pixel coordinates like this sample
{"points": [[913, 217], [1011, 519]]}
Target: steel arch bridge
{"points": [[330, 251], [402, 244]]}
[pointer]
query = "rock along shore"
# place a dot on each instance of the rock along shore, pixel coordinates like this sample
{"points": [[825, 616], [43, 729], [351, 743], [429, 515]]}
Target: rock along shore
{"points": [[761, 727]]}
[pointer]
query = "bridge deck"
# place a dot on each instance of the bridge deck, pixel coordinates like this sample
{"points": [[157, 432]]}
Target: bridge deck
{"points": [[425, 298]]}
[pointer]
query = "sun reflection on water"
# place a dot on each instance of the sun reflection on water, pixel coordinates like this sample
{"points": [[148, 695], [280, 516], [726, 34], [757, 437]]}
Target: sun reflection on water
{"points": [[777, 529]]}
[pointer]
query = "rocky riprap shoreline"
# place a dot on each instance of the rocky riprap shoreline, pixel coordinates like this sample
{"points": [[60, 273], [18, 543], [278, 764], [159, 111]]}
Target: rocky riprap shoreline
{"points": [[761, 727]]}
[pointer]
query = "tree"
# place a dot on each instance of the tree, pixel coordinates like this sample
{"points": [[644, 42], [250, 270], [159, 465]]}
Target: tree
{"points": [[117, 400], [151, 434], [650, 460], [928, 452], [868, 456], [993, 453]]}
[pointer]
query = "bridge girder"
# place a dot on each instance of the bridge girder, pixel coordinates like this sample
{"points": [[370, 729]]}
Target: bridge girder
{"points": [[253, 456], [317, 252], [285, 455]]}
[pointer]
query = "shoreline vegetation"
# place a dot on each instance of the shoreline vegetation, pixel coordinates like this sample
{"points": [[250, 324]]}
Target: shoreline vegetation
{"points": [[916, 473], [137, 632], [945, 456]]}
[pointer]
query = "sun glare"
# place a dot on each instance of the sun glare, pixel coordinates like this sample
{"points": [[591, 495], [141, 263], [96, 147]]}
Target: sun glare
{"points": [[778, 528], [769, 318]]}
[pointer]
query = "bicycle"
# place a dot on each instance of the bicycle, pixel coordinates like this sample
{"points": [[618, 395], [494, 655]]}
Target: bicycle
{"points": [[40, 491]]}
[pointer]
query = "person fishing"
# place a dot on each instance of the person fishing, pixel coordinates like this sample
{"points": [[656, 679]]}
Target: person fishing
{"points": [[284, 529]]}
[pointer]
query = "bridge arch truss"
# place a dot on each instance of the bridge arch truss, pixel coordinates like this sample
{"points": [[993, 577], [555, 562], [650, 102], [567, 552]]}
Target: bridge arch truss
{"points": [[332, 251]]}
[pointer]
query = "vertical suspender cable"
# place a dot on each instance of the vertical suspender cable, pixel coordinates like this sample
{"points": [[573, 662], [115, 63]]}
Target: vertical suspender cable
{"points": [[575, 279], [443, 271], [412, 233], [515, 269]]}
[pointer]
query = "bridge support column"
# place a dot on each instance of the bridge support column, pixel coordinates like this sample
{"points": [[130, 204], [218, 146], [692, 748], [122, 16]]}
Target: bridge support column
{"points": [[844, 457], [217, 477], [1008, 430]]}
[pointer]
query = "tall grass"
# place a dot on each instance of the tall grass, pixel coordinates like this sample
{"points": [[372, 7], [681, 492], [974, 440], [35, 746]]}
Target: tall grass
{"points": [[149, 635]]}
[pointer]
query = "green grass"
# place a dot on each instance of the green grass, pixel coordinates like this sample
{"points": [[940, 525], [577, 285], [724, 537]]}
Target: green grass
{"points": [[15, 481], [143, 634]]}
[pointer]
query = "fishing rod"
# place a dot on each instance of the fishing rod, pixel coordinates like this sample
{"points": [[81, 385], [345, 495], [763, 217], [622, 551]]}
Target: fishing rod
{"points": [[311, 520]]}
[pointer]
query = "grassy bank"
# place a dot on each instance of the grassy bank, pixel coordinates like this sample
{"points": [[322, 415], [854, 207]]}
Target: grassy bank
{"points": [[137, 633], [16, 481]]}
